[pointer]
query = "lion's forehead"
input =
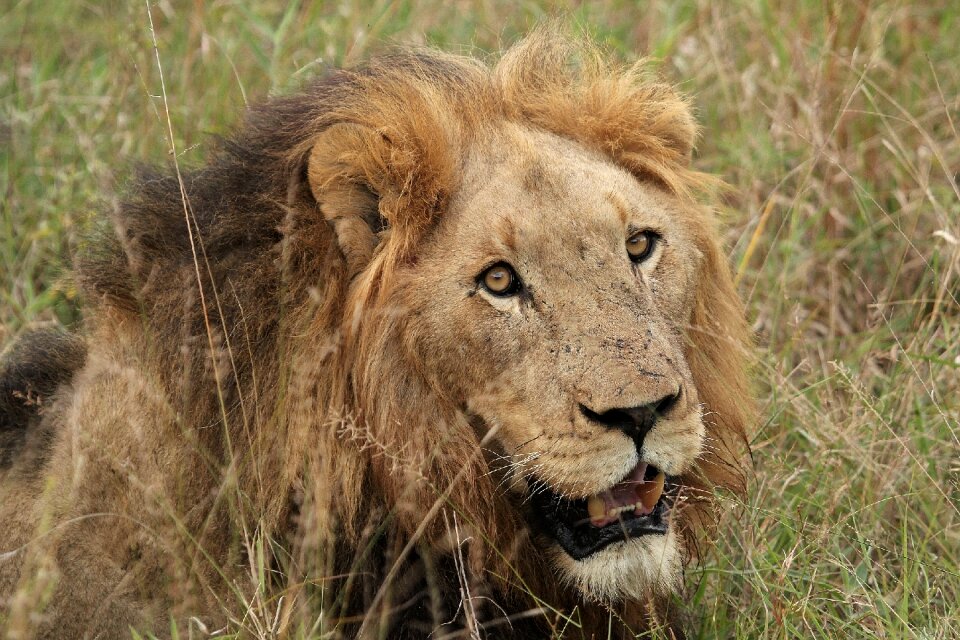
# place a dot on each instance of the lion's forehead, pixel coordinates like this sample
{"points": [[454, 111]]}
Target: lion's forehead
{"points": [[540, 192]]}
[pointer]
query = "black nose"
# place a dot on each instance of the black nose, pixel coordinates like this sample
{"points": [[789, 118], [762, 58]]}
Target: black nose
{"points": [[636, 422]]}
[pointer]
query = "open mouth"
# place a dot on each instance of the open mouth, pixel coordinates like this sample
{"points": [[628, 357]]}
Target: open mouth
{"points": [[636, 506]]}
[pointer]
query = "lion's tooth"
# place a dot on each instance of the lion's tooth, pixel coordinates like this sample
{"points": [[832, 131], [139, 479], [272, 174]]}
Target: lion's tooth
{"points": [[597, 509], [649, 492]]}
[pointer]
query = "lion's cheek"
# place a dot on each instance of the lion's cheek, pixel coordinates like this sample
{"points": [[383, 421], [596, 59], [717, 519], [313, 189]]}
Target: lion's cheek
{"points": [[674, 446]]}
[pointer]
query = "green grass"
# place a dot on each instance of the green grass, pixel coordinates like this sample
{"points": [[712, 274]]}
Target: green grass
{"points": [[838, 131]]}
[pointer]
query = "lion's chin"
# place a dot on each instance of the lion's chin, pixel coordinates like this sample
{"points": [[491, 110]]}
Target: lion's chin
{"points": [[628, 570], [625, 551]]}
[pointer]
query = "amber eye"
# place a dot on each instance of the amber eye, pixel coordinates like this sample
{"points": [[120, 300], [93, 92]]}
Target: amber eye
{"points": [[640, 245], [500, 280]]}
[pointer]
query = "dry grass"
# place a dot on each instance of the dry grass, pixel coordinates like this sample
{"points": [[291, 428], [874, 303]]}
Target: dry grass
{"points": [[834, 122]]}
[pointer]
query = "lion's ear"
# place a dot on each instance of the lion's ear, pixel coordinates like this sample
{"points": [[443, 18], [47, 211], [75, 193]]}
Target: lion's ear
{"points": [[344, 170], [663, 128], [680, 132]]}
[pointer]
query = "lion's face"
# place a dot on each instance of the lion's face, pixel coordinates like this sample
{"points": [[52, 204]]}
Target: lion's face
{"points": [[553, 299], [536, 317]]}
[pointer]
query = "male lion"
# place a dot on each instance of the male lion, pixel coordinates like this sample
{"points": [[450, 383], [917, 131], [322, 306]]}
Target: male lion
{"points": [[432, 346]]}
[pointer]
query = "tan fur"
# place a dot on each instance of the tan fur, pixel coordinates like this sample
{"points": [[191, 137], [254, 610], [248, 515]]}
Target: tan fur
{"points": [[337, 371]]}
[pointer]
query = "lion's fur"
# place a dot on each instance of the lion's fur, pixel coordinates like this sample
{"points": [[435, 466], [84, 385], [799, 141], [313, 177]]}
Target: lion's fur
{"points": [[250, 370], [38, 364]]}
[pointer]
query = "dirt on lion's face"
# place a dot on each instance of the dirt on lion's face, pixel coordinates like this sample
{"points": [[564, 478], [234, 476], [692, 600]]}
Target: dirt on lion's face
{"points": [[567, 349]]}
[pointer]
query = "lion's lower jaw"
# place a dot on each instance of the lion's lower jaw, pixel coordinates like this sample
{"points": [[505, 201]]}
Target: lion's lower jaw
{"points": [[630, 570]]}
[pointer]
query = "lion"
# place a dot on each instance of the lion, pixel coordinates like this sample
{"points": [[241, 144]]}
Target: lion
{"points": [[435, 346]]}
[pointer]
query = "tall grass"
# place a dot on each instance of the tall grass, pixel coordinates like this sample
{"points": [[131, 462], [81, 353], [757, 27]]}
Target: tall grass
{"points": [[836, 124]]}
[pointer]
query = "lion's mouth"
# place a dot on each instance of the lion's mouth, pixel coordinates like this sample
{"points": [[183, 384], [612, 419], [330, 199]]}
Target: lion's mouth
{"points": [[636, 506]]}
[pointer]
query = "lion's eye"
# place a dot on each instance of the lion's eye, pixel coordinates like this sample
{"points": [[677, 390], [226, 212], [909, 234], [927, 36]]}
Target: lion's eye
{"points": [[641, 244], [500, 280]]}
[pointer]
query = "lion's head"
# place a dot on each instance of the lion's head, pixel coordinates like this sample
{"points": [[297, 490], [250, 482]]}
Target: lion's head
{"points": [[538, 330]]}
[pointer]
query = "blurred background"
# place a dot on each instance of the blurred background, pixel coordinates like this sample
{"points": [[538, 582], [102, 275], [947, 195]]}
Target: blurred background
{"points": [[835, 123]]}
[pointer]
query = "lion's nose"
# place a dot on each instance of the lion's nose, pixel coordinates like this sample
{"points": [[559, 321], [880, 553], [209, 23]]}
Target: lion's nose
{"points": [[637, 421]]}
